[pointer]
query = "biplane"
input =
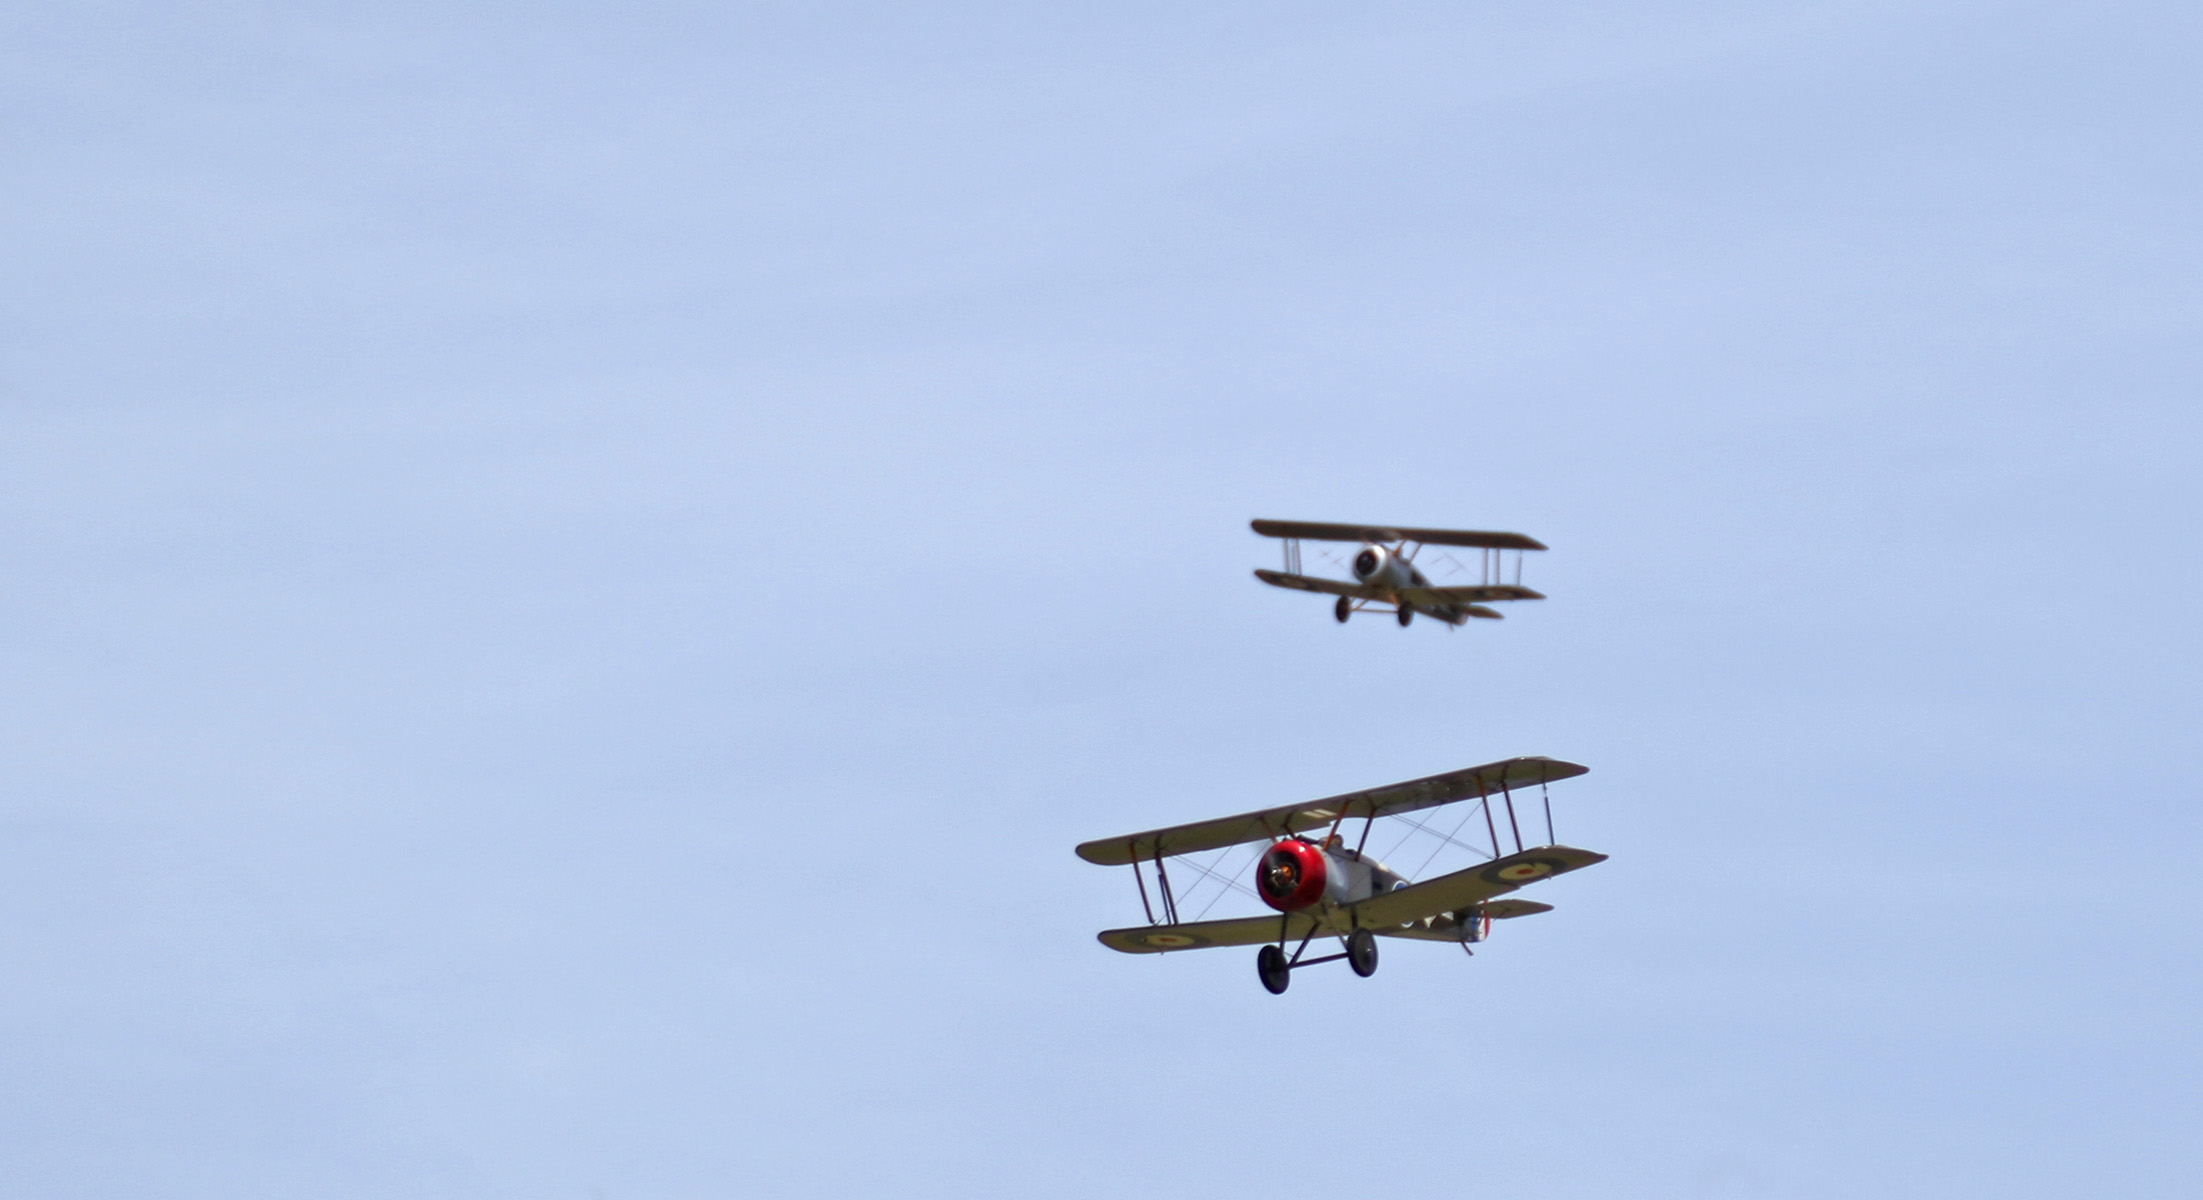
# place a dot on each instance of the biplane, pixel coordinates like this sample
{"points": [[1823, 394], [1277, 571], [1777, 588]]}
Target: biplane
{"points": [[1385, 573], [1316, 887]]}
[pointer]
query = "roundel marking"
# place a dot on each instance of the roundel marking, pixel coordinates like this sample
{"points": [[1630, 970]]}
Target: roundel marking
{"points": [[1522, 872], [1172, 941]]}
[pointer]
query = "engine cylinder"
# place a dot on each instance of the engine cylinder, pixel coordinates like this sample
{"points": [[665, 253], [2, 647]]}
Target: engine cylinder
{"points": [[1290, 875]]}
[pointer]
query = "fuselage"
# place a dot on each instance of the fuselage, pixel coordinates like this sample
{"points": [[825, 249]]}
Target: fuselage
{"points": [[1295, 874], [1383, 567], [1320, 879]]}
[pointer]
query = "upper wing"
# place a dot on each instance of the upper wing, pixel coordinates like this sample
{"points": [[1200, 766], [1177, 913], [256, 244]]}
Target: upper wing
{"points": [[1429, 792], [1309, 583], [1464, 888], [1484, 593], [1320, 531]]}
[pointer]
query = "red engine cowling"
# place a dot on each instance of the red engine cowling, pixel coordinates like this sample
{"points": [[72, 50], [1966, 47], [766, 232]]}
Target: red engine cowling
{"points": [[1290, 875]]}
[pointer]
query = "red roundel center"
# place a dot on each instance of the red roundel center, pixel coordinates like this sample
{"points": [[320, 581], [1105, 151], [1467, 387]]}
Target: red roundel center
{"points": [[1290, 875]]}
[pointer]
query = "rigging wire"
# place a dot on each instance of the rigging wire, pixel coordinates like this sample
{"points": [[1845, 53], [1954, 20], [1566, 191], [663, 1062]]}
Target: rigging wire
{"points": [[1418, 825], [1208, 873], [1448, 838], [1230, 884]]}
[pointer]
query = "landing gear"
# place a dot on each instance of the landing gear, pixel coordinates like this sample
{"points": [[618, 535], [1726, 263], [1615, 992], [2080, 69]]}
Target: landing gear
{"points": [[1407, 613], [1361, 948], [1276, 967], [1343, 609]]}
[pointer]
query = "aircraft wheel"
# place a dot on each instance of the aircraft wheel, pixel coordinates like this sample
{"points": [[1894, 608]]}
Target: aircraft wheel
{"points": [[1343, 609], [1361, 952], [1407, 613], [1269, 962]]}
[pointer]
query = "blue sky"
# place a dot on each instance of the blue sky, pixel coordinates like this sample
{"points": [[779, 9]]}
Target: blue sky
{"points": [[574, 575]]}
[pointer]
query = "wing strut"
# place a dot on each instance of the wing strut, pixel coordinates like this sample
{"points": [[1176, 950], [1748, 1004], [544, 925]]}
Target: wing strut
{"points": [[1136, 878], [1485, 802], [1170, 903], [1491, 566]]}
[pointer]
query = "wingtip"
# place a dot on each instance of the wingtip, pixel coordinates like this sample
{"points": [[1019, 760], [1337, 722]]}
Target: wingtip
{"points": [[1101, 853]]}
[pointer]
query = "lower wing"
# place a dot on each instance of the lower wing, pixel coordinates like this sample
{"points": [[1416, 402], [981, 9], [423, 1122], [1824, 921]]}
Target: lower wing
{"points": [[1446, 929], [1400, 913], [1449, 893], [1330, 587], [1483, 594], [1239, 931]]}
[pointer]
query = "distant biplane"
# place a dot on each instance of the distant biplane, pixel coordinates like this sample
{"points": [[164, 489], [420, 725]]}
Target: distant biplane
{"points": [[1319, 887], [1385, 572]]}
